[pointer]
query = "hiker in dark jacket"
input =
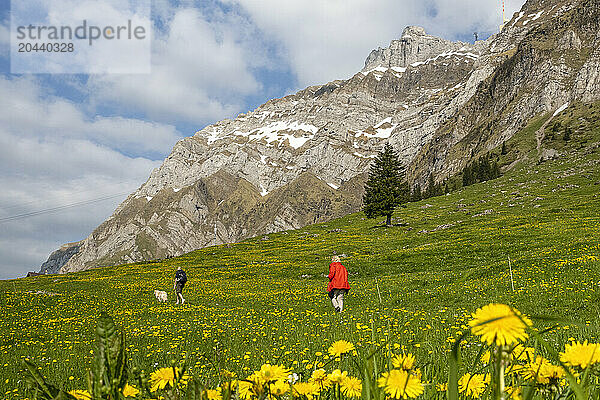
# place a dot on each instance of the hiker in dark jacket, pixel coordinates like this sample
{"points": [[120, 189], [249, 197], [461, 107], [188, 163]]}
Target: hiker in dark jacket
{"points": [[180, 281]]}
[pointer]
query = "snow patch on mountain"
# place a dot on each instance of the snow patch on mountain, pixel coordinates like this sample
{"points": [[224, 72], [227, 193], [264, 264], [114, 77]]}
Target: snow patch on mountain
{"points": [[263, 191], [383, 130], [295, 132], [447, 55], [560, 109]]}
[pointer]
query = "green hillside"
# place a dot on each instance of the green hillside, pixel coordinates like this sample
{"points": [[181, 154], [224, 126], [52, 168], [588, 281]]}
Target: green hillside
{"points": [[414, 285]]}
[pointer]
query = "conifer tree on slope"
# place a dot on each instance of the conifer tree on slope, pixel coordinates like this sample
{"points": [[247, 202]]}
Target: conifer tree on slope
{"points": [[386, 187]]}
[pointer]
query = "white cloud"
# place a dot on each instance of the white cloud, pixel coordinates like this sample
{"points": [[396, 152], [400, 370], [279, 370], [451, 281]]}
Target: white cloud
{"points": [[52, 155], [326, 40], [26, 109], [201, 70]]}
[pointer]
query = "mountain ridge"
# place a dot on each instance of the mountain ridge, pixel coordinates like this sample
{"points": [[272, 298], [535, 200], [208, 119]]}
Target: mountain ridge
{"points": [[431, 105]]}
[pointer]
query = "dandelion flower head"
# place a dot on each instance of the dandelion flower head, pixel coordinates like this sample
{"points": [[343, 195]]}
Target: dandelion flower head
{"points": [[400, 384], [581, 354], [340, 347], [473, 384], [499, 324], [404, 361], [351, 387]]}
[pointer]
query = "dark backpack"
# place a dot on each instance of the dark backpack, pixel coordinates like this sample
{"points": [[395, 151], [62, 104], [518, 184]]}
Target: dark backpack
{"points": [[180, 276]]}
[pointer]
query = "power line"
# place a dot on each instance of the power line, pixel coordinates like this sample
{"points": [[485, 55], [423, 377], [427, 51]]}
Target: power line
{"points": [[61, 208], [39, 200]]}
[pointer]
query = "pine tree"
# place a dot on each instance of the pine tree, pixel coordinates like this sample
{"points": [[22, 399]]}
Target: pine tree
{"points": [[416, 193], [467, 175], [504, 149], [567, 135], [386, 187], [484, 169], [430, 191], [495, 170]]}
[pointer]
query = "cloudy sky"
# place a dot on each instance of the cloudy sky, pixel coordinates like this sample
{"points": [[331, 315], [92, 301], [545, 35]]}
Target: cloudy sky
{"points": [[73, 146]]}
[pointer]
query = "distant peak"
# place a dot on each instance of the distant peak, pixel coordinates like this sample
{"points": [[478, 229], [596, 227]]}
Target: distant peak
{"points": [[414, 31], [415, 46]]}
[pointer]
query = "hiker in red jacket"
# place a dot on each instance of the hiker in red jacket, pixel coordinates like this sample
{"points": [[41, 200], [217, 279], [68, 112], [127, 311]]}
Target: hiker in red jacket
{"points": [[338, 283]]}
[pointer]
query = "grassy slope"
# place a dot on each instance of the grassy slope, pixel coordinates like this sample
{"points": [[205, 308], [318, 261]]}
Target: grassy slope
{"points": [[414, 284]]}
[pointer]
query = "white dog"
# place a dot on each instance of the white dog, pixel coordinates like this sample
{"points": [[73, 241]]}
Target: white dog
{"points": [[160, 295]]}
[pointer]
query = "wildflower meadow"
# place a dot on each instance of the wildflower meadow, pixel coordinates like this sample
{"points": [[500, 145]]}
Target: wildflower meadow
{"points": [[488, 292]]}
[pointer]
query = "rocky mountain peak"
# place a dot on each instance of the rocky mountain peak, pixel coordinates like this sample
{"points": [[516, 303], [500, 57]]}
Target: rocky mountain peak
{"points": [[414, 46], [414, 31]]}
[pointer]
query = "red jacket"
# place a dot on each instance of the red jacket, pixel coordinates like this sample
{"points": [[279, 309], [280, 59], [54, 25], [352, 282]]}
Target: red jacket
{"points": [[338, 277]]}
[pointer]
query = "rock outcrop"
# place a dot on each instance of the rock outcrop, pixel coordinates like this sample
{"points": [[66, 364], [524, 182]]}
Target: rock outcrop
{"points": [[302, 159], [59, 257], [550, 57]]}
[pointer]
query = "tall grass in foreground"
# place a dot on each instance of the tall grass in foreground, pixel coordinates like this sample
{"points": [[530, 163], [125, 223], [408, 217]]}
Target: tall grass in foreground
{"points": [[510, 365]]}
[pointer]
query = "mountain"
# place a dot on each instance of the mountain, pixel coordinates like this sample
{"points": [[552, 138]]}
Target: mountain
{"points": [[302, 159]]}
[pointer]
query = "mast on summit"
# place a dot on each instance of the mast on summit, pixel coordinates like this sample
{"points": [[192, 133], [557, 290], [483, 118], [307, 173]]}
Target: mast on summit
{"points": [[504, 20]]}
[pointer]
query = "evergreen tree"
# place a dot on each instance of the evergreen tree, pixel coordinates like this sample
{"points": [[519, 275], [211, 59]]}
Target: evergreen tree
{"points": [[556, 127], [481, 170], [430, 191], [386, 187], [416, 193], [504, 149], [467, 175], [495, 170], [567, 135], [484, 169]]}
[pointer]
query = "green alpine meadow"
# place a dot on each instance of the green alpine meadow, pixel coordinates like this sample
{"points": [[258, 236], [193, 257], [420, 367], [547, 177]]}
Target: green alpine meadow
{"points": [[426, 294]]}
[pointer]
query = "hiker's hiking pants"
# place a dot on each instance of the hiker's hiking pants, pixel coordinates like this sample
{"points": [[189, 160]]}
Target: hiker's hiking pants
{"points": [[337, 299]]}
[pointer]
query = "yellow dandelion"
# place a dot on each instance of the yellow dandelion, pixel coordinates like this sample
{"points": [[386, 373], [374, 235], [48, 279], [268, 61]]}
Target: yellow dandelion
{"points": [[400, 384], [305, 389], [404, 361], [499, 324], [279, 387], [340, 347], [270, 373], [473, 384], [337, 376], [485, 357], [554, 372], [130, 391], [351, 387], [441, 387], [81, 394], [257, 378], [162, 377], [320, 378], [227, 374], [246, 390], [214, 394], [523, 353], [532, 369], [258, 382], [581, 354], [541, 370], [514, 393]]}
